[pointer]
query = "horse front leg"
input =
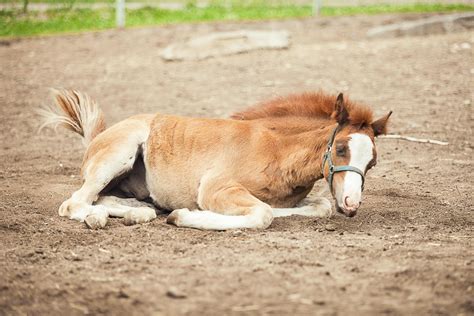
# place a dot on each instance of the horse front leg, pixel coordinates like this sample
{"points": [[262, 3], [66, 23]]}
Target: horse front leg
{"points": [[224, 205], [316, 207]]}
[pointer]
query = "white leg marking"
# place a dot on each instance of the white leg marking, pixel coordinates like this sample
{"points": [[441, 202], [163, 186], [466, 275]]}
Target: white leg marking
{"points": [[97, 218], [82, 212], [140, 212], [139, 215], [259, 217], [320, 207], [98, 173]]}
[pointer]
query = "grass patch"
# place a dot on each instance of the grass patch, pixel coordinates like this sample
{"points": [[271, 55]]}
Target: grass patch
{"points": [[148, 16], [410, 8], [61, 2], [54, 21], [14, 23]]}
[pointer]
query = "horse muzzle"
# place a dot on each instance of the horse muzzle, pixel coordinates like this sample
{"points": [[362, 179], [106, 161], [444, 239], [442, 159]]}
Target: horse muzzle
{"points": [[349, 211]]}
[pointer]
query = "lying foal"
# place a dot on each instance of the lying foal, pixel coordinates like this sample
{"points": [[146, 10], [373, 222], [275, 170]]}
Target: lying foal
{"points": [[220, 173]]}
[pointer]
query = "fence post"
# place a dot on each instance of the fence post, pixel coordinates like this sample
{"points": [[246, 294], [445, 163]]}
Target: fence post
{"points": [[120, 13], [317, 7]]}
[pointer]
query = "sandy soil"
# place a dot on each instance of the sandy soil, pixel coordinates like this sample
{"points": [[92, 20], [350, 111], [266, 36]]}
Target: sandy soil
{"points": [[408, 251]]}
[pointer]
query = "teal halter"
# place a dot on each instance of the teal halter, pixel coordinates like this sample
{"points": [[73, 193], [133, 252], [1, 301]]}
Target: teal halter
{"points": [[334, 169]]}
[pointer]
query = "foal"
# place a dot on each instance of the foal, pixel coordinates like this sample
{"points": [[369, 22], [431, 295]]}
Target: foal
{"points": [[220, 173]]}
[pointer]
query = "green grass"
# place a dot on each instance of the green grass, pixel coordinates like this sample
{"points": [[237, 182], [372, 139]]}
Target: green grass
{"points": [[410, 8], [62, 2], [14, 23]]}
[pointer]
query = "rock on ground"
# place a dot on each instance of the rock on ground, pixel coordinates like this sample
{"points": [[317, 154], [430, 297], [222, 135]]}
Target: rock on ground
{"points": [[432, 25], [225, 43]]}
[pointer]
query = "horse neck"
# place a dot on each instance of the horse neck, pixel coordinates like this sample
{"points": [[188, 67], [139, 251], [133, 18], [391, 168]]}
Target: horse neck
{"points": [[303, 153]]}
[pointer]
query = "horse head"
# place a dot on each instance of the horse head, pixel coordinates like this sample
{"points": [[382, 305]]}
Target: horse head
{"points": [[350, 154]]}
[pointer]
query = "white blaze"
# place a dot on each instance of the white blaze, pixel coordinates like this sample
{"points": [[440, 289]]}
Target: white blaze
{"points": [[361, 151]]}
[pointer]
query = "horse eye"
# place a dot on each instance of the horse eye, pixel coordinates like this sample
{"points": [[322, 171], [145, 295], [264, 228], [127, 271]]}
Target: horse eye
{"points": [[340, 151]]}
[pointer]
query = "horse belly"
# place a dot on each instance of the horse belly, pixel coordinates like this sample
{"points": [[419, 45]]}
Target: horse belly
{"points": [[170, 177], [169, 187]]}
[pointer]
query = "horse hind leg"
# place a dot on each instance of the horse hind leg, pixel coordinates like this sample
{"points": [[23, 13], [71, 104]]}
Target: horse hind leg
{"points": [[104, 165], [132, 210]]}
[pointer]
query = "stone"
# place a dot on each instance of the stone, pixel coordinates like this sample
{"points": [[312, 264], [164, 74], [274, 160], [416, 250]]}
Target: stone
{"points": [[225, 43], [175, 293], [122, 294], [433, 25], [330, 227]]}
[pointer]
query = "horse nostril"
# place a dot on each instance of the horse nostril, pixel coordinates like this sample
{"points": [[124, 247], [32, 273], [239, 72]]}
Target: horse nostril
{"points": [[348, 204], [345, 201]]}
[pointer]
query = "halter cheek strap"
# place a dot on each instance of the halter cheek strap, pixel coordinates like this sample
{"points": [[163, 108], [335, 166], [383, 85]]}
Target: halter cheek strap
{"points": [[334, 169]]}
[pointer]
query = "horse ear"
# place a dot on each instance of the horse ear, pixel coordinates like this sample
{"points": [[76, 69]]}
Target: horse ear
{"points": [[380, 126], [341, 114]]}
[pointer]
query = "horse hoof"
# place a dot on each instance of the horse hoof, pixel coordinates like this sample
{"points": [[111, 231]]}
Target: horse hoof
{"points": [[65, 209], [94, 221], [174, 217], [141, 215]]}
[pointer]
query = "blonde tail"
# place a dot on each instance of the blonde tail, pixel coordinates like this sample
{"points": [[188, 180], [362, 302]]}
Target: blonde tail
{"points": [[75, 111]]}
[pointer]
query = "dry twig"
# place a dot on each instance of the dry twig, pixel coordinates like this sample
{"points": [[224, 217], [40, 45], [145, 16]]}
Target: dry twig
{"points": [[413, 139]]}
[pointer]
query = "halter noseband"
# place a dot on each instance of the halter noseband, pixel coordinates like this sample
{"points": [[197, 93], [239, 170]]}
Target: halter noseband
{"points": [[334, 169]]}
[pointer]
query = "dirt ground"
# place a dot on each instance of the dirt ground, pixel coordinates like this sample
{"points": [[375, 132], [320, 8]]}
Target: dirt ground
{"points": [[408, 251]]}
